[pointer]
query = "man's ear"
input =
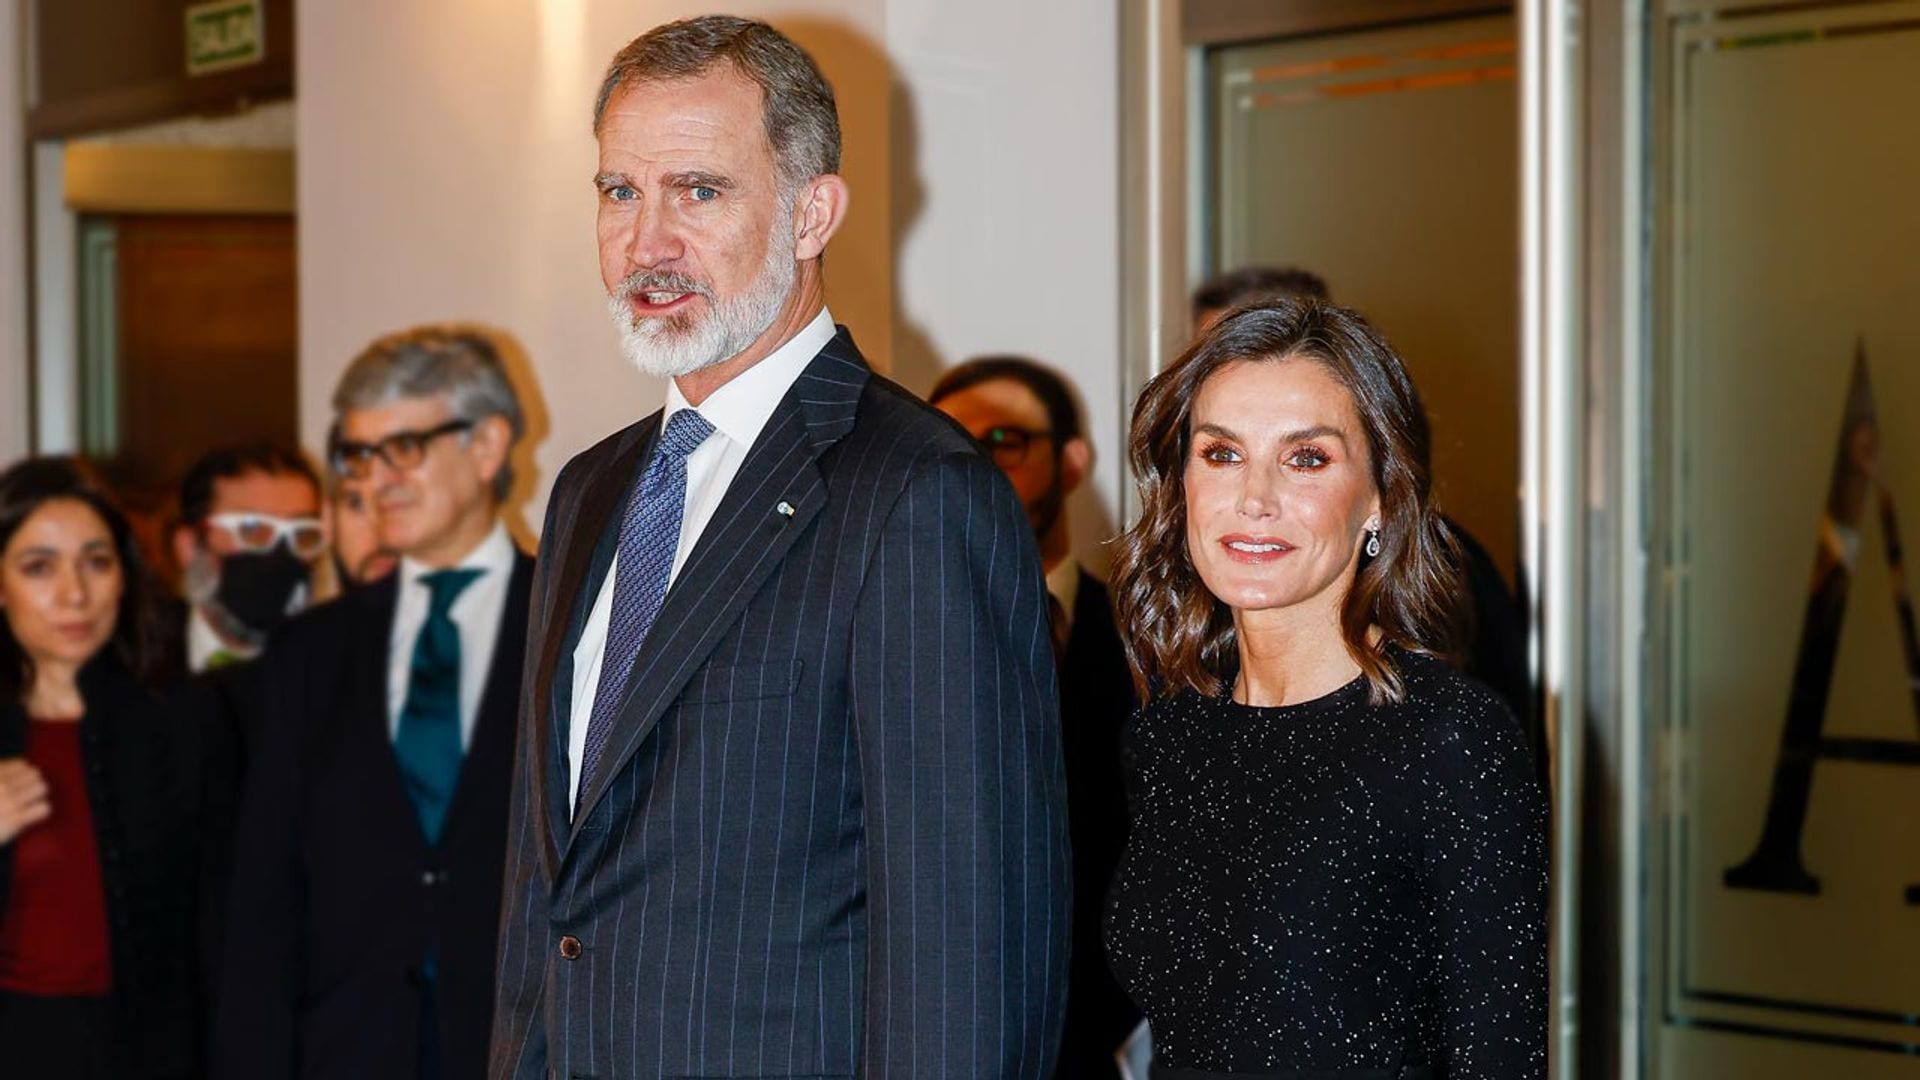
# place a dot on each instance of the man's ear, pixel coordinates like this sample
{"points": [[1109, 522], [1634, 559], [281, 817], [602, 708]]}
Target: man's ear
{"points": [[184, 545], [488, 442], [1076, 460], [817, 215]]}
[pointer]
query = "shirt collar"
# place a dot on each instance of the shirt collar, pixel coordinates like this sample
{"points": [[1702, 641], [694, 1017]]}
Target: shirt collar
{"points": [[204, 642], [744, 404], [494, 554], [1063, 581]]}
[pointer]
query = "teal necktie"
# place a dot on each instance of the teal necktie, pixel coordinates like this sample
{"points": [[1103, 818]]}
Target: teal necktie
{"points": [[428, 740]]}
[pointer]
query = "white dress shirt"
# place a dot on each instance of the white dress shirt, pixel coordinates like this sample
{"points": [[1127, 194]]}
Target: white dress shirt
{"points": [[476, 612], [204, 642], [738, 411]]}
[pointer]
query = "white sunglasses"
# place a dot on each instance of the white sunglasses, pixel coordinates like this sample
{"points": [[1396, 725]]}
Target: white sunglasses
{"points": [[305, 536]]}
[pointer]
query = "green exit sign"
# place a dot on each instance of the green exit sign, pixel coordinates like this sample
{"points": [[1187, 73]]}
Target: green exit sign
{"points": [[228, 34]]}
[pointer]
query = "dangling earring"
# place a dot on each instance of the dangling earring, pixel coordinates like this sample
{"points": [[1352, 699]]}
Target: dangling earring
{"points": [[1373, 541]]}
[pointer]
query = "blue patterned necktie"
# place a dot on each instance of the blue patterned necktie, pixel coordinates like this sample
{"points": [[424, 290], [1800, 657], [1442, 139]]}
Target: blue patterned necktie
{"points": [[649, 536], [428, 739]]}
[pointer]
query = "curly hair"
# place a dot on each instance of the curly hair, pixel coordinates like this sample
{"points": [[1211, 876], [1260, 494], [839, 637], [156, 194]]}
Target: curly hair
{"points": [[1178, 635]]}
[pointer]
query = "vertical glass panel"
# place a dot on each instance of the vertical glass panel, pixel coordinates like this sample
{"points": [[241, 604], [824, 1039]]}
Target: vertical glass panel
{"points": [[1384, 160], [1788, 401], [99, 338]]}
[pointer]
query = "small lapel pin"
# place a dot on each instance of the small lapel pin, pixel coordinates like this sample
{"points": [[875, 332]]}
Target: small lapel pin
{"points": [[785, 509]]}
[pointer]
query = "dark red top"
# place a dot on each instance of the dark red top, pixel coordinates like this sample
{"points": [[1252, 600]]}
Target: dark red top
{"points": [[53, 934]]}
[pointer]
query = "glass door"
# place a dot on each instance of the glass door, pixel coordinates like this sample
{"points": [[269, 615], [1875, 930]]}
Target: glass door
{"points": [[1783, 675]]}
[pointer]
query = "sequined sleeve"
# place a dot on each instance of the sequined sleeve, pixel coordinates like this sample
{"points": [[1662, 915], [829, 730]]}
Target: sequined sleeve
{"points": [[1485, 874]]}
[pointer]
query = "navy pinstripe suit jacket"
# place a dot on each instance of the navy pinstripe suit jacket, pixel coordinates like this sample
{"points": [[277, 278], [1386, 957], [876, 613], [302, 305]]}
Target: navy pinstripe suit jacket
{"points": [[828, 834]]}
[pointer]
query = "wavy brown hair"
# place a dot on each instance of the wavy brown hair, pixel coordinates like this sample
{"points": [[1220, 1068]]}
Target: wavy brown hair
{"points": [[1179, 636]]}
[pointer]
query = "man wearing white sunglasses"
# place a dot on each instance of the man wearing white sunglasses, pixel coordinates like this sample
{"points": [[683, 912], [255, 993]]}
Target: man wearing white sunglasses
{"points": [[248, 536]]}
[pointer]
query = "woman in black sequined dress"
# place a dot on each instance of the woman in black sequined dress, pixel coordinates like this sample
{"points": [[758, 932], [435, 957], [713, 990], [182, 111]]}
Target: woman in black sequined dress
{"points": [[1337, 868]]}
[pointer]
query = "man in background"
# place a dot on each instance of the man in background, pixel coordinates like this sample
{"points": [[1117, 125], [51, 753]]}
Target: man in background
{"points": [[1026, 417], [249, 533], [365, 899], [1212, 299], [353, 525], [248, 537]]}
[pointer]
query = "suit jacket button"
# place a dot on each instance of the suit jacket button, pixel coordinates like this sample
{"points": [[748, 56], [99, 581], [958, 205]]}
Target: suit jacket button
{"points": [[570, 948]]}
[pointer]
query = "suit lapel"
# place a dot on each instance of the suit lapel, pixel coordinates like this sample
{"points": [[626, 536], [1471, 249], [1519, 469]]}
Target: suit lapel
{"points": [[368, 655], [493, 726], [580, 543], [767, 508]]}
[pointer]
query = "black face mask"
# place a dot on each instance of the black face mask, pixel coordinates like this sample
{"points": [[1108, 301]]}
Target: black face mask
{"points": [[259, 589]]}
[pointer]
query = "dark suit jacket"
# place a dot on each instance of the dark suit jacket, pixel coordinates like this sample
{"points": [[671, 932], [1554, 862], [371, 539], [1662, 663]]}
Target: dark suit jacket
{"points": [[1096, 697], [336, 897], [143, 789], [828, 833], [221, 709], [1496, 641]]}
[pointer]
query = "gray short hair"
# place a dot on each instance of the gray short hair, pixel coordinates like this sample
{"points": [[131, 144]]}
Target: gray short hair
{"points": [[796, 102], [431, 361]]}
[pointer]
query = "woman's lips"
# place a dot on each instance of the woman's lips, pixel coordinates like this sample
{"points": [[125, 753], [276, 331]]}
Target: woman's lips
{"points": [[78, 631], [1254, 549]]}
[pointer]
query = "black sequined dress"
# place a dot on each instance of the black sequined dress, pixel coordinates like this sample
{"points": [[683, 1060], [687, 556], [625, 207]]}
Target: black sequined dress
{"points": [[1335, 888]]}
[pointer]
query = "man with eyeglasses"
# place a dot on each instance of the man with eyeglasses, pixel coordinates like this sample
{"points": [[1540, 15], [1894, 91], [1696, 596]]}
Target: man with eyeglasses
{"points": [[248, 535], [372, 831], [360, 557], [1024, 414]]}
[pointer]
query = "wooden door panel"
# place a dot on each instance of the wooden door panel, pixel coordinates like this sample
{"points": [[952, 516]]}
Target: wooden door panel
{"points": [[208, 339]]}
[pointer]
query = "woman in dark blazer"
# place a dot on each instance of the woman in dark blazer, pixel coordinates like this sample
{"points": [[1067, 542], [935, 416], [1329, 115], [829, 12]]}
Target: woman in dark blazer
{"points": [[98, 848]]}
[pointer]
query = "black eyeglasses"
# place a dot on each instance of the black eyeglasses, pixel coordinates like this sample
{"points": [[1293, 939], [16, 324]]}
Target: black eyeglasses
{"points": [[1009, 444], [402, 450]]}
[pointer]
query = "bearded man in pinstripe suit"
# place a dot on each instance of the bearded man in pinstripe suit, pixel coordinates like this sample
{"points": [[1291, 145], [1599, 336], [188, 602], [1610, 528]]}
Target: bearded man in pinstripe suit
{"points": [[789, 795]]}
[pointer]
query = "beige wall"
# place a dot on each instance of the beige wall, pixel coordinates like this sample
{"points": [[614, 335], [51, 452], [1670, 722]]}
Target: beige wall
{"points": [[444, 167], [14, 399], [1006, 205]]}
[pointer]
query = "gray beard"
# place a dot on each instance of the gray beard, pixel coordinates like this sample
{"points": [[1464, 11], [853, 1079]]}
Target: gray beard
{"points": [[681, 345]]}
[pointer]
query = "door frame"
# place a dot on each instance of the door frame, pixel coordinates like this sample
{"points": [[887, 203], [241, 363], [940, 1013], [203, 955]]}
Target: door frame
{"points": [[132, 172], [1583, 349]]}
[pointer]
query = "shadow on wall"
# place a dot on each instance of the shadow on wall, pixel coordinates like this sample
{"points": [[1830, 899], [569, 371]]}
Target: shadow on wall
{"points": [[860, 261], [518, 365], [880, 137], [1091, 520], [917, 364]]}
